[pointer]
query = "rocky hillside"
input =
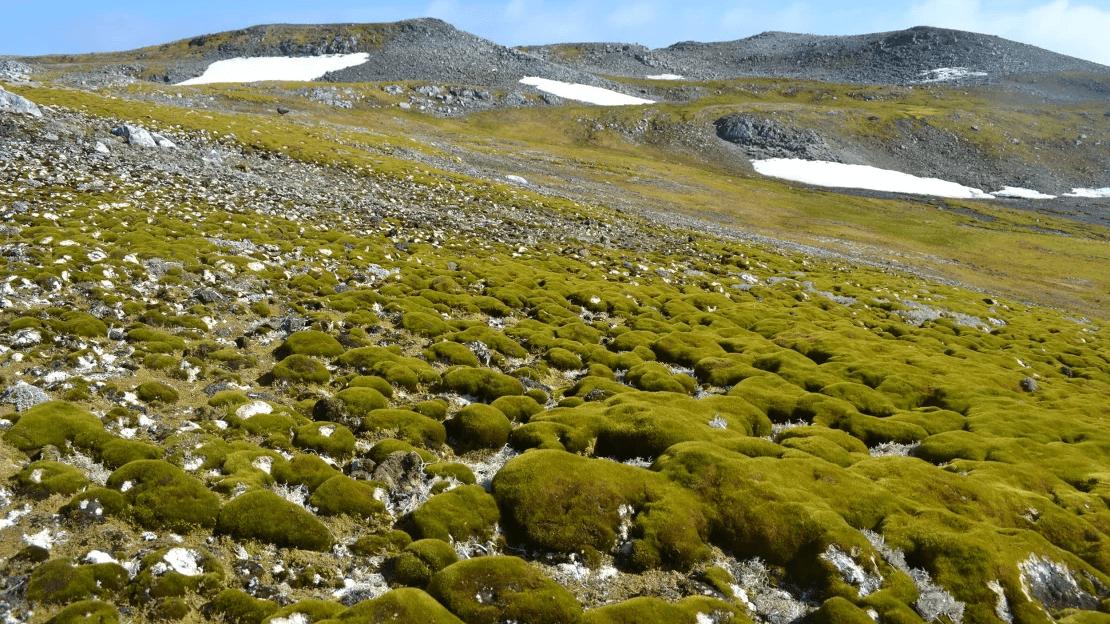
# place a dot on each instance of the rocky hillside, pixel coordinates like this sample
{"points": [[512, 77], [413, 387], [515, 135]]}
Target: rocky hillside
{"points": [[901, 57], [347, 353]]}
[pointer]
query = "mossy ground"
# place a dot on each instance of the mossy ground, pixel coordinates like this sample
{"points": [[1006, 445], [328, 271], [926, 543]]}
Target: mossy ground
{"points": [[670, 408]]}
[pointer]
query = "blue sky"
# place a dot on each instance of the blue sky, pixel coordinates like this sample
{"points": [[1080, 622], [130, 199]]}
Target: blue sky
{"points": [[1077, 27]]}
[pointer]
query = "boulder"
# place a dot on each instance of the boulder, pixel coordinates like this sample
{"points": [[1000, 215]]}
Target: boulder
{"points": [[17, 104], [141, 137]]}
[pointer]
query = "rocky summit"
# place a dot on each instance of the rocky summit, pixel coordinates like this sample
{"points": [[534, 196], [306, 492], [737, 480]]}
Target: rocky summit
{"points": [[416, 341]]}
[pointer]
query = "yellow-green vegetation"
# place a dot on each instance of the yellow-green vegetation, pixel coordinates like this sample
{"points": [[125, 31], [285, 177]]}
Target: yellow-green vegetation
{"points": [[668, 420]]}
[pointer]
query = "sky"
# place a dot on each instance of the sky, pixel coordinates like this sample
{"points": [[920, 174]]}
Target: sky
{"points": [[1076, 27]]}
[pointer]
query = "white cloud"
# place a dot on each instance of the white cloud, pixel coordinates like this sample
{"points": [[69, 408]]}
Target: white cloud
{"points": [[1059, 25]]}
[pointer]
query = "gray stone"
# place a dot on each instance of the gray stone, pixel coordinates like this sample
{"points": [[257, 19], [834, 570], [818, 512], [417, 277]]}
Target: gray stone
{"points": [[135, 135], [24, 396], [17, 104]]}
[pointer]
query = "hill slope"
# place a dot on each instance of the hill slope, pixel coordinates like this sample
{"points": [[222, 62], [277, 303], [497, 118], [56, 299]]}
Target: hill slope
{"points": [[900, 57]]}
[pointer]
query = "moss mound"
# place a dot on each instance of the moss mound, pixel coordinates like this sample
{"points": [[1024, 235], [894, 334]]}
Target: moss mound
{"points": [[478, 426], [489, 590], [264, 516], [463, 513], [162, 496]]}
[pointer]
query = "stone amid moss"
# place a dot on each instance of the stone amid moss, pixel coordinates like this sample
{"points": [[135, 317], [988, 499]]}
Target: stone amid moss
{"points": [[490, 590], [177, 572], [264, 516], [162, 496]]}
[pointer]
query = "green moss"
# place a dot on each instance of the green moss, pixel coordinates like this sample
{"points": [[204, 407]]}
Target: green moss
{"points": [[483, 383], [58, 582], [400, 606], [866, 400], [651, 609], [463, 513], [171, 609], [837, 610], [478, 426], [156, 392], [360, 401], [162, 496], [301, 369], [387, 447], [115, 452], [112, 502], [344, 495], [86, 612], [228, 398], [155, 581], [415, 565], [489, 590], [397, 369], [452, 353], [563, 359], [80, 324], [372, 381], [415, 428], [43, 478], [264, 516], [328, 438], [378, 544], [424, 324], [565, 503], [55, 423], [304, 469], [309, 342], [314, 610], [517, 408], [433, 408]]}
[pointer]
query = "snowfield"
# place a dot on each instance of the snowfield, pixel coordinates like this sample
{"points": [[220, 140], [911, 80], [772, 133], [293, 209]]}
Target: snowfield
{"points": [[1090, 193], [838, 175], [665, 77], [260, 68], [583, 93], [944, 74], [1022, 193]]}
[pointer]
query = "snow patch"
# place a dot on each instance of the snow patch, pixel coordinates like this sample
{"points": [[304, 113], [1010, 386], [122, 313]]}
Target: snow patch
{"points": [[839, 175], [1090, 193], [260, 68], [583, 93], [665, 77], [944, 74], [1021, 193], [292, 618]]}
